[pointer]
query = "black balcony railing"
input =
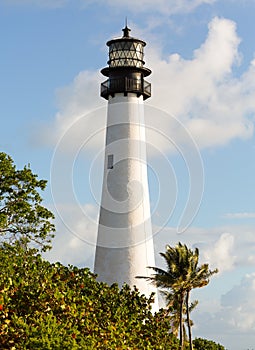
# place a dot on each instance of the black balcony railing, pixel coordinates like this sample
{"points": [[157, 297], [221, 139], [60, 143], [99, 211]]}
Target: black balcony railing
{"points": [[125, 85]]}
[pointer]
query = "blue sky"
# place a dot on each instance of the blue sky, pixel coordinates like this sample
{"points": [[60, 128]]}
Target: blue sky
{"points": [[201, 53]]}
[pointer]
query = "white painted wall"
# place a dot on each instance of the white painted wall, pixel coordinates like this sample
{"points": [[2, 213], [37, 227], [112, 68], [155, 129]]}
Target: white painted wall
{"points": [[125, 244]]}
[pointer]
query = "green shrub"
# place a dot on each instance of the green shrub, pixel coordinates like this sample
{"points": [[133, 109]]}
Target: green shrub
{"points": [[51, 306], [203, 344]]}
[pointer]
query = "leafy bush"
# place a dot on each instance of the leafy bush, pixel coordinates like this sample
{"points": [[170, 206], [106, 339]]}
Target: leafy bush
{"points": [[50, 306], [203, 344]]}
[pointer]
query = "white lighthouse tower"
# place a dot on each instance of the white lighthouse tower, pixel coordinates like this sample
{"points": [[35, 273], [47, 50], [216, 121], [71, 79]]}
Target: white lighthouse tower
{"points": [[125, 244]]}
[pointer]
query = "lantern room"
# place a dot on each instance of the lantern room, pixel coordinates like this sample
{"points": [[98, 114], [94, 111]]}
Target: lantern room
{"points": [[126, 69]]}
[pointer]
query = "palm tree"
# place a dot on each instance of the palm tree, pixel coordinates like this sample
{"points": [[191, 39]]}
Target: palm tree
{"points": [[199, 277], [173, 307], [172, 280], [181, 276]]}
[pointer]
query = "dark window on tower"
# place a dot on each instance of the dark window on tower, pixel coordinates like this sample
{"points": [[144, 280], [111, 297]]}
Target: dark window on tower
{"points": [[110, 161]]}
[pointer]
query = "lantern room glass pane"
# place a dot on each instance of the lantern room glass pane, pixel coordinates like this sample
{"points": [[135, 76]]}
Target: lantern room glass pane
{"points": [[126, 53]]}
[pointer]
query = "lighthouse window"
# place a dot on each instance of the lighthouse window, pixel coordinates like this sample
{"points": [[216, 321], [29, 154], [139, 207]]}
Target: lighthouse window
{"points": [[126, 54], [110, 161]]}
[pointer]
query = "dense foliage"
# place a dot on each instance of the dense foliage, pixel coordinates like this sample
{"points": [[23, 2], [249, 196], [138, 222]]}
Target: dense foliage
{"points": [[23, 219], [50, 306], [204, 344]]}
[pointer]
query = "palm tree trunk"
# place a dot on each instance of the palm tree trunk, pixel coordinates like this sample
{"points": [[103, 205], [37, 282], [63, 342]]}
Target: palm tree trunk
{"points": [[181, 322], [188, 321]]}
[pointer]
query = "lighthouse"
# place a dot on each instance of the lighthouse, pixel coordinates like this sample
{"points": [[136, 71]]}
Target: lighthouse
{"points": [[125, 243]]}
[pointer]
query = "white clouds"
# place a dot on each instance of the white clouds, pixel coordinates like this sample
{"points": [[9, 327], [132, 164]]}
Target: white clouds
{"points": [[79, 96], [161, 6], [239, 303], [220, 254], [79, 99], [232, 321], [203, 93], [239, 216], [217, 248], [225, 248], [75, 240], [216, 56], [231, 315]]}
